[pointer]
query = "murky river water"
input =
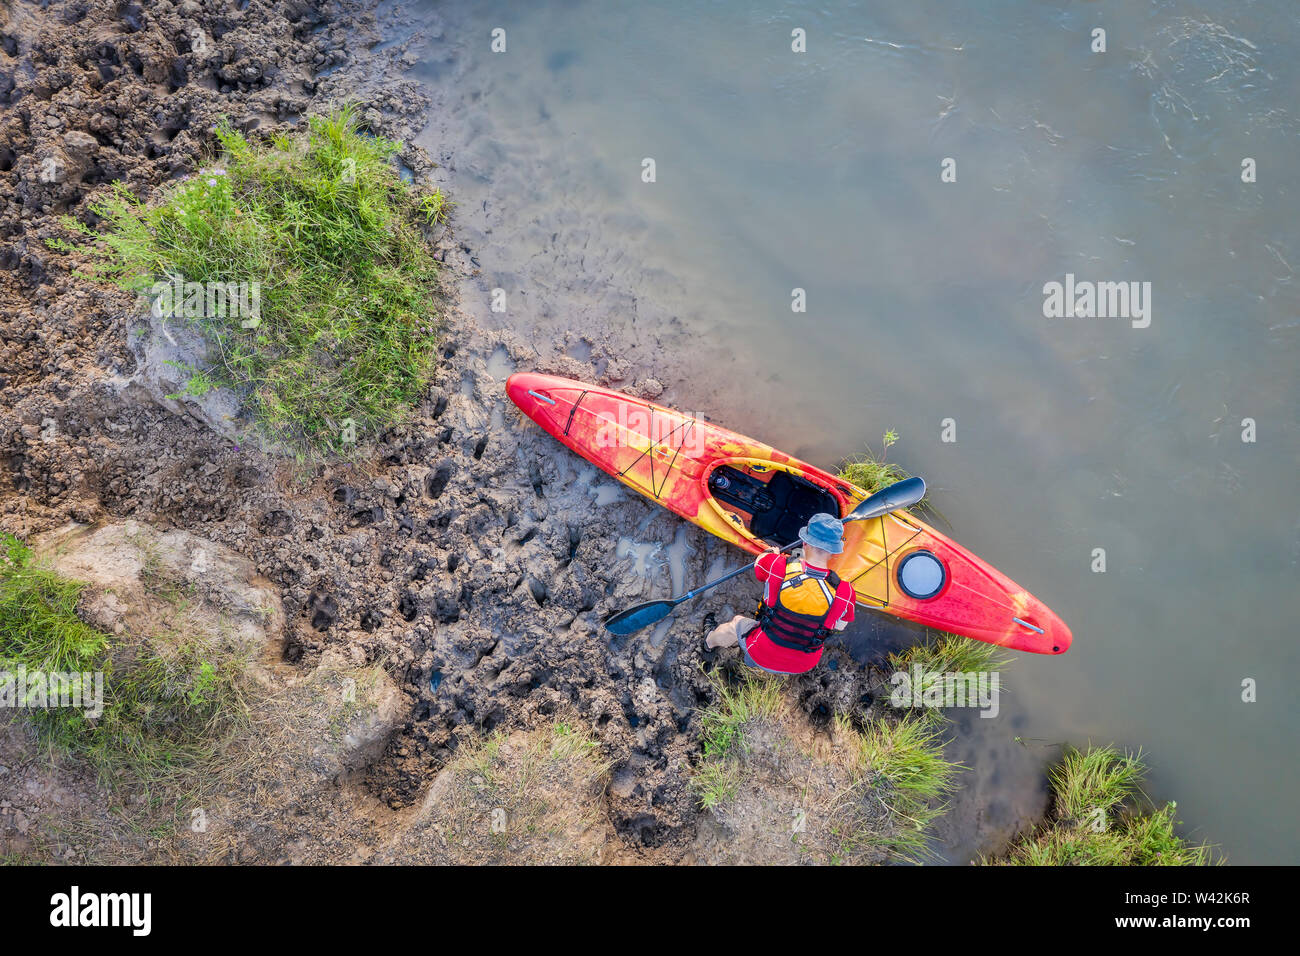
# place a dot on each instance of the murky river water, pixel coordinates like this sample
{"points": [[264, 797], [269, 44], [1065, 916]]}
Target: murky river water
{"points": [[777, 170]]}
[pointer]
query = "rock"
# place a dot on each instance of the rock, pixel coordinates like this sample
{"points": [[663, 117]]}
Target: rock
{"points": [[355, 710], [78, 141], [650, 388], [167, 349], [150, 583]]}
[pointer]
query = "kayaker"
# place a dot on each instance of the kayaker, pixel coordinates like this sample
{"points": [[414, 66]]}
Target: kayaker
{"points": [[803, 603]]}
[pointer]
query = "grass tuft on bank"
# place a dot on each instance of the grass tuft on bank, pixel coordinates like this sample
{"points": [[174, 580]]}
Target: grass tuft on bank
{"points": [[943, 658], [168, 706], [341, 341], [753, 697], [866, 792], [1095, 819], [901, 764], [871, 472], [944, 653]]}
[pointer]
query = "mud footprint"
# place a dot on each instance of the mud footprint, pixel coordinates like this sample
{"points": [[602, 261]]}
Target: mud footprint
{"points": [[436, 483]]}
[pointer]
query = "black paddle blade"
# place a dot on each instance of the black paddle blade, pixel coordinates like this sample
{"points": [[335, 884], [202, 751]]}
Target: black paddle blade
{"points": [[895, 497], [635, 618]]}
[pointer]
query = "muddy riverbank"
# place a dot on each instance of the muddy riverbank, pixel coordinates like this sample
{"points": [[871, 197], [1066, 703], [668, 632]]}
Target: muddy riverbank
{"points": [[465, 555]]}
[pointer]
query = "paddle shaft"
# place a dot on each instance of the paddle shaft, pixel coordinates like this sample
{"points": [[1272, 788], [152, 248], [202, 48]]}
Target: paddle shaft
{"points": [[735, 572]]}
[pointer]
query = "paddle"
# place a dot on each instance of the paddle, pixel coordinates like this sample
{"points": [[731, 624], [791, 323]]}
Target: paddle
{"points": [[901, 494]]}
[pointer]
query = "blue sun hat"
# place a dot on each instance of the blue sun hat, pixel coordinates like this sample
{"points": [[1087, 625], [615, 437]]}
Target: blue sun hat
{"points": [[825, 532]]}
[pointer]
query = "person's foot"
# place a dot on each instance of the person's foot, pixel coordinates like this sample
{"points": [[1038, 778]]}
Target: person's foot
{"points": [[709, 626], [708, 653]]}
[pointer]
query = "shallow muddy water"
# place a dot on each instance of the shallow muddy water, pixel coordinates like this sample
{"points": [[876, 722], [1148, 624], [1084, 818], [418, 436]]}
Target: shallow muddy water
{"points": [[925, 302]]}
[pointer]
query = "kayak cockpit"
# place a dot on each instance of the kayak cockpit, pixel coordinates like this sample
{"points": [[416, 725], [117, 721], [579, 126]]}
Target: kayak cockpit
{"points": [[770, 502]]}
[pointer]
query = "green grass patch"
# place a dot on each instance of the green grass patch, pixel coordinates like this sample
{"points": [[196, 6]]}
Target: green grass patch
{"points": [[343, 341], [168, 705], [1098, 779], [871, 472], [877, 787], [755, 696], [945, 653], [901, 765], [1095, 819], [39, 626]]}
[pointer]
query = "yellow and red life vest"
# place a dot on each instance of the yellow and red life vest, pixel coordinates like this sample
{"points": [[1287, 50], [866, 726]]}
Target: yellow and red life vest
{"points": [[804, 603]]}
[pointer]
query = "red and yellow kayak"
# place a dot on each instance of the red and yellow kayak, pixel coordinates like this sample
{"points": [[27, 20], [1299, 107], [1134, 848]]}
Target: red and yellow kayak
{"points": [[756, 497]]}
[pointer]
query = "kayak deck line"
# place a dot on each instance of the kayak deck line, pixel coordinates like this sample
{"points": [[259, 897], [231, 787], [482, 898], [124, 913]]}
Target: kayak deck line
{"points": [[874, 600], [573, 411], [650, 451]]}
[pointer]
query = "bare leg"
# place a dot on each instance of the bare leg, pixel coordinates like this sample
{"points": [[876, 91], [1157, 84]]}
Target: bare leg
{"points": [[728, 634]]}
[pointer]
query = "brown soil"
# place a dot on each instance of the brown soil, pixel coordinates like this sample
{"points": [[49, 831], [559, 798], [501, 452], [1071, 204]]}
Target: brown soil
{"points": [[466, 550]]}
